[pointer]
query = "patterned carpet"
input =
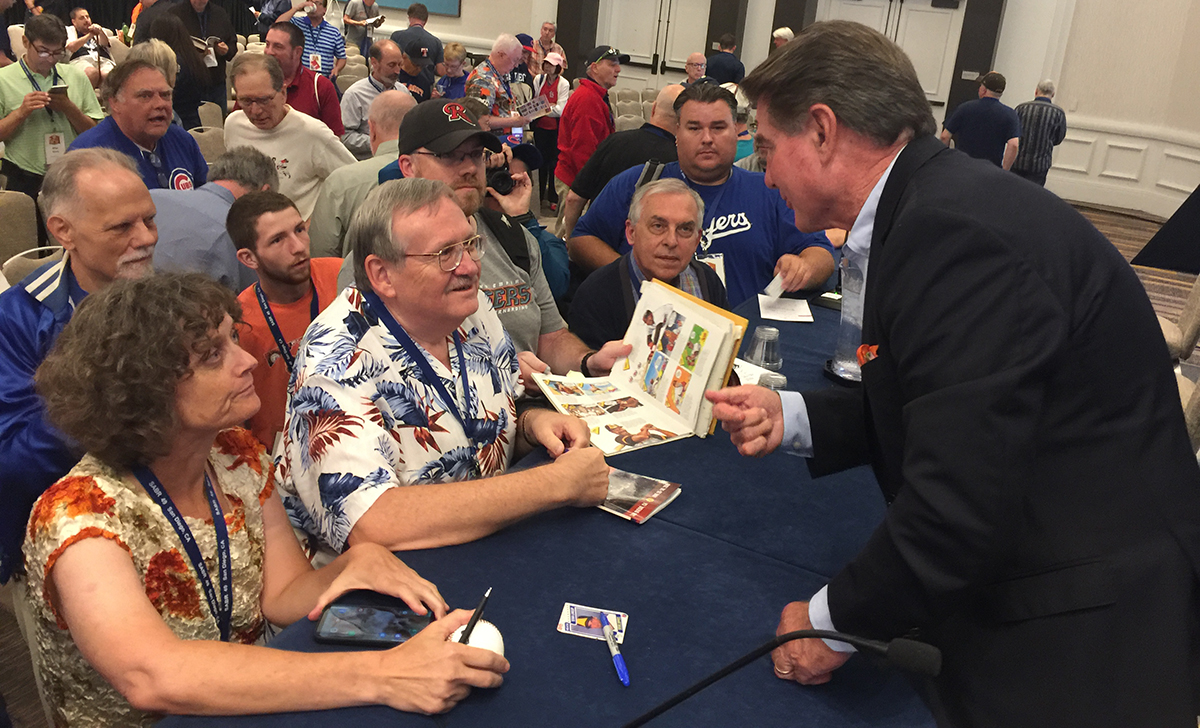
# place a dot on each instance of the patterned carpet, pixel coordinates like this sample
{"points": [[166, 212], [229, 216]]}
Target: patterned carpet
{"points": [[1167, 291]]}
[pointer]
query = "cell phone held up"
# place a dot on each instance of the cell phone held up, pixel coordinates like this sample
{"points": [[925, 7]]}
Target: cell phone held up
{"points": [[60, 88], [369, 619]]}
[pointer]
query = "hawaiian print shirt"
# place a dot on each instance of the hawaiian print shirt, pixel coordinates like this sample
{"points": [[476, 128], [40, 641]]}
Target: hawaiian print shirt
{"points": [[490, 88], [362, 419], [96, 501]]}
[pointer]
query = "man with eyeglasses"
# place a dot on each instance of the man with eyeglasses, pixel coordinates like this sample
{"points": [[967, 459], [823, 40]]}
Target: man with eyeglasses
{"points": [[291, 289], [304, 149], [488, 83], [440, 140], [586, 120], [40, 117], [403, 414], [139, 125], [694, 68], [307, 91], [663, 230]]}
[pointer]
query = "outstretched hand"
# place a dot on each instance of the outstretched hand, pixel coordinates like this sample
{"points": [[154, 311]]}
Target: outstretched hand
{"points": [[752, 415]]}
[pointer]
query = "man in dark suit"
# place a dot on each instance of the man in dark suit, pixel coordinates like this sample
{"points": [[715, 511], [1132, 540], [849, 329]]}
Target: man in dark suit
{"points": [[1017, 405]]}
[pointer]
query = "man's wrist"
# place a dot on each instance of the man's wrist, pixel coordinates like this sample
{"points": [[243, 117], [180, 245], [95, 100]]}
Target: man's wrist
{"points": [[583, 363]]}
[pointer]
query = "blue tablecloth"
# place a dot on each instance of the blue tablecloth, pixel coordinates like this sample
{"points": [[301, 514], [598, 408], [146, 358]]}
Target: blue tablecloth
{"points": [[703, 583]]}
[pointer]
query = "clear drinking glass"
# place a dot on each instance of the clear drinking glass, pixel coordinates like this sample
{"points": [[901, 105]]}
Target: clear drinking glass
{"points": [[845, 357], [764, 348]]}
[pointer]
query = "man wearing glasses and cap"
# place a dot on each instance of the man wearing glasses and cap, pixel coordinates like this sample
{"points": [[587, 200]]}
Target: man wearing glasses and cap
{"points": [[587, 119], [45, 105]]}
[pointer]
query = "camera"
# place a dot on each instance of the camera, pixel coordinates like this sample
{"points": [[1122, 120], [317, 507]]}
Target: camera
{"points": [[500, 180]]}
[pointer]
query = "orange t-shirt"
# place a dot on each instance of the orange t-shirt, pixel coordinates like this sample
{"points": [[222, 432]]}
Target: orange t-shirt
{"points": [[271, 375]]}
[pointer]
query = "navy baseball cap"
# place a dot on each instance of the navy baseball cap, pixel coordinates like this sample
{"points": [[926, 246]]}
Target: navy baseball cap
{"points": [[606, 53], [528, 154], [526, 41], [441, 125]]}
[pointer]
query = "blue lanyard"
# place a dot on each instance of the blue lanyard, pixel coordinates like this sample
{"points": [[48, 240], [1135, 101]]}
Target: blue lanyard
{"points": [[33, 81], [203, 20], [470, 427], [376, 86], [285, 350], [503, 80], [222, 610]]}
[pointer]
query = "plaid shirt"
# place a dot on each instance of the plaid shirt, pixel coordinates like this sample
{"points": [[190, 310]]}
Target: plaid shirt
{"points": [[687, 281], [488, 86]]}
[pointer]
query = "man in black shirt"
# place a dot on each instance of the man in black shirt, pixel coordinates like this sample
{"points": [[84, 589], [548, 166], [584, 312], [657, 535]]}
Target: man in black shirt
{"points": [[724, 67], [653, 140], [204, 19]]}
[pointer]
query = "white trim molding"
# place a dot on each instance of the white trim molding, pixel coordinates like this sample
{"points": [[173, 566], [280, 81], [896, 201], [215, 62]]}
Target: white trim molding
{"points": [[1133, 166]]}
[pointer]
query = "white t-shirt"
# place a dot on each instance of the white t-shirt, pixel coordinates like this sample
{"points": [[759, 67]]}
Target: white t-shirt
{"points": [[305, 152]]}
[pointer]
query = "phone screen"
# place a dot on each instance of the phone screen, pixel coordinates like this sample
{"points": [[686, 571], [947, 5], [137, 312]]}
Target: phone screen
{"points": [[359, 624]]}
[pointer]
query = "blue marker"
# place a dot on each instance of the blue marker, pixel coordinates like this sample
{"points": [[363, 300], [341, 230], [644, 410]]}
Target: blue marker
{"points": [[611, 638]]}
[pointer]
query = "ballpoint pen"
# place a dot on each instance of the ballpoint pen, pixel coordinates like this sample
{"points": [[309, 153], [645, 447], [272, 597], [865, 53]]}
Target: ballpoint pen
{"points": [[466, 635], [610, 637]]}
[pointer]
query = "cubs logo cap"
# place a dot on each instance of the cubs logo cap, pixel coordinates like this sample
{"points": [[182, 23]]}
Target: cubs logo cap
{"points": [[441, 125]]}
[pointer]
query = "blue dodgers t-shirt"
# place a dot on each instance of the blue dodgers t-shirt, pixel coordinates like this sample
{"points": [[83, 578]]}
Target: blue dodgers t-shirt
{"points": [[744, 220], [982, 127], [180, 161]]}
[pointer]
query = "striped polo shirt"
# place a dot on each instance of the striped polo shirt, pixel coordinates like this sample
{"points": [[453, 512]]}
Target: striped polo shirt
{"points": [[323, 41], [1043, 126]]}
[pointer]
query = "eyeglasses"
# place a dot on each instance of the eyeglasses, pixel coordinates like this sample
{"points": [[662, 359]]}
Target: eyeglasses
{"points": [[43, 53], [247, 101], [451, 256], [698, 65], [610, 54], [474, 156]]}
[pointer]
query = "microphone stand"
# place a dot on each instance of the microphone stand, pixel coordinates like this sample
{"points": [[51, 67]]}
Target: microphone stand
{"points": [[907, 654]]}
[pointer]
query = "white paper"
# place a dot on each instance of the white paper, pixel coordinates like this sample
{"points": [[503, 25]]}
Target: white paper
{"points": [[774, 289], [749, 373], [784, 309]]}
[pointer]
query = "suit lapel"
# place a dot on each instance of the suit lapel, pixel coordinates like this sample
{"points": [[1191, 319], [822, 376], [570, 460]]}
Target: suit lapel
{"points": [[915, 155]]}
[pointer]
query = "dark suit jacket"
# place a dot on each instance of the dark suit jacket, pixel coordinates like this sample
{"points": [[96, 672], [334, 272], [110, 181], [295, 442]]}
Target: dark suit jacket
{"points": [[1024, 424]]}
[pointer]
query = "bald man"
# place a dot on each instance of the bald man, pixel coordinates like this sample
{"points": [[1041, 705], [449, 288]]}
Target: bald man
{"points": [[348, 186], [386, 62], [694, 67], [634, 147]]}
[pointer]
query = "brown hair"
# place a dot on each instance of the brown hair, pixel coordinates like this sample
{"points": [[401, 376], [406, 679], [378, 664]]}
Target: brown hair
{"points": [[109, 382], [242, 220], [865, 78]]}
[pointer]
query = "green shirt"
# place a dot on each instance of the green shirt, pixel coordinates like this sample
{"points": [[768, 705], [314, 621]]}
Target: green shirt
{"points": [[27, 147]]}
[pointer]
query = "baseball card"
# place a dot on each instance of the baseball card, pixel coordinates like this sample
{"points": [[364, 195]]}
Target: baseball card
{"points": [[584, 621]]}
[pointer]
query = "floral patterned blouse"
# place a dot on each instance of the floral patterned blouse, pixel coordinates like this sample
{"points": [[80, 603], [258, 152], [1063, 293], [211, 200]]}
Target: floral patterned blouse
{"points": [[362, 419], [95, 501]]}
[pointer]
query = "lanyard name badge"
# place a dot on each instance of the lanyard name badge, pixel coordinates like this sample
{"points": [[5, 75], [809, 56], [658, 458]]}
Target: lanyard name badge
{"points": [[470, 426], [222, 608], [285, 350], [55, 142], [716, 261]]}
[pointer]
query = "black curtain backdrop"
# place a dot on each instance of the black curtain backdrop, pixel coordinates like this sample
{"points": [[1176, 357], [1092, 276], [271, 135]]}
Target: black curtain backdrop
{"points": [[115, 13]]}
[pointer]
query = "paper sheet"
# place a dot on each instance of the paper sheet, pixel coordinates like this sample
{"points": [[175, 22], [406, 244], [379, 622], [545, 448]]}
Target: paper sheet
{"points": [[784, 309]]}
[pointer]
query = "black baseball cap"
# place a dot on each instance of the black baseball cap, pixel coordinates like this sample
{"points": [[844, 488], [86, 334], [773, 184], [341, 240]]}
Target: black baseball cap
{"points": [[441, 125], [528, 154], [606, 53], [993, 82]]}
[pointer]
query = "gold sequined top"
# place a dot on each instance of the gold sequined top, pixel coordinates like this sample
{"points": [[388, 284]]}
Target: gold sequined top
{"points": [[94, 501]]}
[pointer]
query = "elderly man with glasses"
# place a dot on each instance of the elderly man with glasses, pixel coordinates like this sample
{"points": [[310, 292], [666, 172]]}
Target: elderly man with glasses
{"points": [[304, 149], [403, 415], [45, 105]]}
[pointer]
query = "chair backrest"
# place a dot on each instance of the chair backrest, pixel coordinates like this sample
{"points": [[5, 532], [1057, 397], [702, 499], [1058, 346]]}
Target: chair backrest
{"points": [[522, 93], [211, 141], [119, 50], [252, 39], [647, 110], [22, 264], [346, 80], [18, 220], [1189, 320], [629, 108], [211, 116], [629, 94], [16, 33], [241, 39], [627, 121], [575, 83]]}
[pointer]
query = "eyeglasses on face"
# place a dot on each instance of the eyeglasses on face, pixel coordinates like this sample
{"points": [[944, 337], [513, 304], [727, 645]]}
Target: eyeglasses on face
{"points": [[451, 256], [698, 65], [44, 53], [474, 156], [247, 101]]}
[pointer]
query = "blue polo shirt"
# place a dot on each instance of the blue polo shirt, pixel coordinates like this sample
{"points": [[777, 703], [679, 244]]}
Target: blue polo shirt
{"points": [[181, 164], [982, 127], [746, 222]]}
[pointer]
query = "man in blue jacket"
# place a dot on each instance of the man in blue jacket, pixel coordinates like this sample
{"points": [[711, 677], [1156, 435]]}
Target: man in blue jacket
{"points": [[96, 205]]}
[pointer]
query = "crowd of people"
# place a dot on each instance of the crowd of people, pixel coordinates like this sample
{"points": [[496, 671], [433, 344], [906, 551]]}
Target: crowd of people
{"points": [[313, 350]]}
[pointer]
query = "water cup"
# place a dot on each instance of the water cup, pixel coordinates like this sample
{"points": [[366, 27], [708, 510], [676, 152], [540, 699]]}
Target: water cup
{"points": [[773, 381], [764, 348]]}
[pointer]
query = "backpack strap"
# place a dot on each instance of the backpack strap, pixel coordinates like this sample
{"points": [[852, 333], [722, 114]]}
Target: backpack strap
{"points": [[651, 171]]}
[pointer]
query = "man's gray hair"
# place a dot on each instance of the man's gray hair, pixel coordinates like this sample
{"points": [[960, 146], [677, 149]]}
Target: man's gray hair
{"points": [[506, 43], [247, 167], [250, 62], [663, 186], [59, 189], [783, 32], [1046, 88], [865, 78], [370, 231]]}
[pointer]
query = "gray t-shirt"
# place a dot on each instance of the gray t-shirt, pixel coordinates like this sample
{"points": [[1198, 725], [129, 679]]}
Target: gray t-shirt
{"points": [[358, 10], [522, 300]]}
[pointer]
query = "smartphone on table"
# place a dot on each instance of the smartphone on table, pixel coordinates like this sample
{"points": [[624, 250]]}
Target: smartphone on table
{"points": [[369, 619]]}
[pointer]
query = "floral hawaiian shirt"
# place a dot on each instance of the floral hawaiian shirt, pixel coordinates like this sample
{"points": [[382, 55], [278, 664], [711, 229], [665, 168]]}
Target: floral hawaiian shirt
{"points": [[361, 417], [95, 501], [491, 88]]}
